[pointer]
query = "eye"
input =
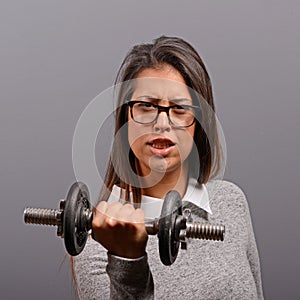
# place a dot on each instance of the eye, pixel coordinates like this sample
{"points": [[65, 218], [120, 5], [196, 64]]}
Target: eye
{"points": [[146, 106], [181, 109]]}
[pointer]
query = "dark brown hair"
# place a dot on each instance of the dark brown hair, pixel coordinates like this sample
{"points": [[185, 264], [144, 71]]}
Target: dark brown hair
{"points": [[207, 150]]}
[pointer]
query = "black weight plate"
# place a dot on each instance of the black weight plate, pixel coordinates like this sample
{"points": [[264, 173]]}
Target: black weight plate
{"points": [[168, 245], [75, 235]]}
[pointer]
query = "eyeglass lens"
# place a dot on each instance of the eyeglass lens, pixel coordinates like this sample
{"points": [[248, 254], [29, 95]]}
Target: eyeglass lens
{"points": [[180, 115]]}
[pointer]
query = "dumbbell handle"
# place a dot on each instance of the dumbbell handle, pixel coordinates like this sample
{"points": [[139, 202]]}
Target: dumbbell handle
{"points": [[42, 216], [53, 217]]}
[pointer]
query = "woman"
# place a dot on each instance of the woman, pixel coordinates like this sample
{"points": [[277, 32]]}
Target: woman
{"points": [[166, 139]]}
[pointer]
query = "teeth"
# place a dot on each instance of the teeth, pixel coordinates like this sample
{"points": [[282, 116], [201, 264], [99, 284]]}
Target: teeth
{"points": [[160, 146]]}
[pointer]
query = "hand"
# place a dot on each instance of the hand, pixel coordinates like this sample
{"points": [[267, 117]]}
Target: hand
{"points": [[120, 229]]}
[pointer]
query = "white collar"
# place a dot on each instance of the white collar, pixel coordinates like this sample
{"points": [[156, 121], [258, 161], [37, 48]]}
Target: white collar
{"points": [[196, 193]]}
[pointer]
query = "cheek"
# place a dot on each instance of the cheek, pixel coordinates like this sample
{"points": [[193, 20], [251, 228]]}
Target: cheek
{"points": [[136, 138], [186, 143]]}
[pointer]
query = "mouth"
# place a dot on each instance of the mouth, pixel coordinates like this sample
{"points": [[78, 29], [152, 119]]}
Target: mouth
{"points": [[161, 143], [161, 146]]}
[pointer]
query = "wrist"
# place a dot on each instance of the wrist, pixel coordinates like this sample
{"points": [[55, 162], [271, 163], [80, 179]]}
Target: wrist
{"points": [[126, 258], [128, 255]]}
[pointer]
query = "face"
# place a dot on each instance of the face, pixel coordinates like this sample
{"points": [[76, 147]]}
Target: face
{"points": [[160, 146]]}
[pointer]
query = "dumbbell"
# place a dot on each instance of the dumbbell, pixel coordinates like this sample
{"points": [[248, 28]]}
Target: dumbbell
{"points": [[74, 221]]}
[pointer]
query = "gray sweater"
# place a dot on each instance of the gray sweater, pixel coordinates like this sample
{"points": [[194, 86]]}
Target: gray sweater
{"points": [[206, 270]]}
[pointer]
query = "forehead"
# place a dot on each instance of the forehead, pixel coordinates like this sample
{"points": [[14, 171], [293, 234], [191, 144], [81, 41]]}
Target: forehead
{"points": [[164, 83]]}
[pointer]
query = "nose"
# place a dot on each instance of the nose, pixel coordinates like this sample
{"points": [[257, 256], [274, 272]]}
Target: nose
{"points": [[162, 122]]}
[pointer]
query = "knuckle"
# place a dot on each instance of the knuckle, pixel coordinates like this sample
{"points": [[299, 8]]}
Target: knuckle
{"points": [[96, 223], [140, 213], [138, 216], [128, 206], [127, 209], [111, 222], [116, 204], [100, 208]]}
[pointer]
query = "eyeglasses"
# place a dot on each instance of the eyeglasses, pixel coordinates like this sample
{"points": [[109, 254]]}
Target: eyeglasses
{"points": [[179, 116]]}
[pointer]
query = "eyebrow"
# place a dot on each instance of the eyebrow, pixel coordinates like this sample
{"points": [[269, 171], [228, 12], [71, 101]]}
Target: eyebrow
{"points": [[175, 100]]}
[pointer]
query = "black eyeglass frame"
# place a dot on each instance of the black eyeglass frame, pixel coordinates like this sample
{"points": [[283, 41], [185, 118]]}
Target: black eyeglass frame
{"points": [[162, 109]]}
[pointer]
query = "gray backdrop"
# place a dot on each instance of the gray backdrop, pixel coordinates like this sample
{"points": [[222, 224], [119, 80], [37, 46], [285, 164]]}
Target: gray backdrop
{"points": [[56, 56]]}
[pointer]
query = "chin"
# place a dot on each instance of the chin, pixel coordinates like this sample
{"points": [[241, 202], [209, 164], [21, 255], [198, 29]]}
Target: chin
{"points": [[164, 167], [159, 167]]}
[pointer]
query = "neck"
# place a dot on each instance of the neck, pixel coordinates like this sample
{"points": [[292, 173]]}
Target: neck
{"points": [[174, 180]]}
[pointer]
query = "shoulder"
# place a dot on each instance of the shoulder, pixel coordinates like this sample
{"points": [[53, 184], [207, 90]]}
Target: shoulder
{"points": [[226, 194], [224, 187]]}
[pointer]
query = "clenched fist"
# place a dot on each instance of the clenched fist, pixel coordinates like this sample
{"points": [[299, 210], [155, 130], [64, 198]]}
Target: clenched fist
{"points": [[120, 229]]}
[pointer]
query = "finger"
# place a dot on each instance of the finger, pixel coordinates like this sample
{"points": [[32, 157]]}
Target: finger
{"points": [[125, 212], [99, 214], [138, 216], [98, 217], [101, 208], [112, 212]]}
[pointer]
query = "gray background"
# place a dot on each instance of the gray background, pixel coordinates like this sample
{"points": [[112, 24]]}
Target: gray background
{"points": [[56, 56]]}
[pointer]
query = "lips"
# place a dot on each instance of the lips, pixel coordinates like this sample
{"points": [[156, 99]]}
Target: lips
{"points": [[161, 143], [161, 146]]}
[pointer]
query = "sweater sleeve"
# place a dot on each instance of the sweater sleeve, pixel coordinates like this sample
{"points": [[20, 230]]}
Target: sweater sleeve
{"points": [[99, 275], [251, 247], [130, 279], [253, 256]]}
